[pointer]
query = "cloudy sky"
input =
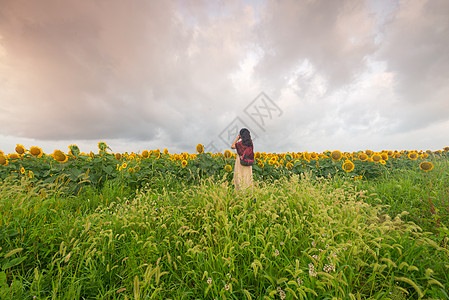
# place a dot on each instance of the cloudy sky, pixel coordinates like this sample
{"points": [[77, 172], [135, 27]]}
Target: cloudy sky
{"points": [[302, 75]]}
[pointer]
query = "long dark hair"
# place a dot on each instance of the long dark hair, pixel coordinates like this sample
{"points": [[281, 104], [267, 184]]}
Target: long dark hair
{"points": [[246, 137]]}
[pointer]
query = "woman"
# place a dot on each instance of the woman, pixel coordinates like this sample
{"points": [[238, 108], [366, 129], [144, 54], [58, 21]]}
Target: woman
{"points": [[243, 175]]}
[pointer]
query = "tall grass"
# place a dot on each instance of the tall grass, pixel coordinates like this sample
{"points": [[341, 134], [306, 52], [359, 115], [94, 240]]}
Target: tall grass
{"points": [[292, 238]]}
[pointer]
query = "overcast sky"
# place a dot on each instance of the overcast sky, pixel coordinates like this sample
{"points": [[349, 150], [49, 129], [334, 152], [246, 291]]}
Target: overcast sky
{"points": [[301, 75]]}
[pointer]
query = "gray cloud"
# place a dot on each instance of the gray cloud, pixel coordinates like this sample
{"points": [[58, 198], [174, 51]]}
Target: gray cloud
{"points": [[345, 73]]}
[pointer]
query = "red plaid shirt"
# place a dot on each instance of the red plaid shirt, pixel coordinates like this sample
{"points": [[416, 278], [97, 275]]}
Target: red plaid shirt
{"points": [[240, 149]]}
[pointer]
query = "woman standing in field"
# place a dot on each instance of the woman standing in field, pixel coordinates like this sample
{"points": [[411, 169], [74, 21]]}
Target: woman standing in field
{"points": [[243, 174]]}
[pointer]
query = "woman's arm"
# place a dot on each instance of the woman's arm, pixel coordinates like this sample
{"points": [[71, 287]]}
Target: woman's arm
{"points": [[236, 139]]}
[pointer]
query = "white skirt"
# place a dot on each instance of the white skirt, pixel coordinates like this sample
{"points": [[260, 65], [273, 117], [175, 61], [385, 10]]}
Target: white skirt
{"points": [[243, 175]]}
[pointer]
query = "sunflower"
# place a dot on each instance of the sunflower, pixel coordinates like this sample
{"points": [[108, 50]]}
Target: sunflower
{"points": [[363, 156], [390, 153], [272, 161], [384, 156], [131, 170], [289, 165], [102, 146], [3, 160], [228, 168], [59, 156], [36, 151], [307, 155], [397, 155], [348, 166], [13, 156], [165, 151], [277, 164], [413, 155], [74, 150], [257, 154], [376, 157], [369, 152], [446, 149], [118, 156], [260, 164], [426, 166], [22, 170], [313, 155], [20, 149], [336, 155], [199, 148], [424, 155], [145, 154], [124, 165], [383, 162], [30, 174], [184, 163], [227, 154]]}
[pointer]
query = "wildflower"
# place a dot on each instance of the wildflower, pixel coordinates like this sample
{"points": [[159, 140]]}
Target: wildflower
{"points": [[282, 294], [328, 268], [312, 270], [313, 244], [281, 243], [226, 287], [276, 252], [209, 280], [299, 281], [315, 257], [229, 275]]}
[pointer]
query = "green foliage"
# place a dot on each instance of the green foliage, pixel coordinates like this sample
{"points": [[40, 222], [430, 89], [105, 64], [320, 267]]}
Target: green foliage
{"points": [[295, 237]]}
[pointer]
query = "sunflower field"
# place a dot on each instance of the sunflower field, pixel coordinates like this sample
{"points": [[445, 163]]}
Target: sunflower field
{"points": [[156, 225]]}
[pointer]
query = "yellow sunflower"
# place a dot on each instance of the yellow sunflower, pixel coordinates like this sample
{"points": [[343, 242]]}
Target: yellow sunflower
{"points": [[228, 168], [413, 155], [102, 146], [383, 162], [369, 152], [36, 151], [184, 163], [118, 156], [59, 156], [384, 156], [74, 150], [30, 174], [22, 170], [3, 160], [446, 149], [336, 155], [426, 166], [289, 165], [376, 157], [20, 149], [199, 148], [13, 156], [348, 166], [260, 164], [227, 154], [363, 156], [145, 154], [165, 151]]}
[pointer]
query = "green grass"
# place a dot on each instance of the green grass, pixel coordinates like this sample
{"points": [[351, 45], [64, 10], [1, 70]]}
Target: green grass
{"points": [[293, 238]]}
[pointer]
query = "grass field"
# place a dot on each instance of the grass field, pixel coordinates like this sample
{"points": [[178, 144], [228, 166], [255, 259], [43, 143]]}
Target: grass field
{"points": [[296, 237]]}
